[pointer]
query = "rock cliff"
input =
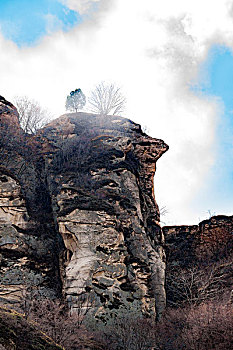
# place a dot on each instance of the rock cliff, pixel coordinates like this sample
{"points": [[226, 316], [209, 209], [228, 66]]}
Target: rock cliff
{"points": [[210, 239], [199, 261], [78, 216]]}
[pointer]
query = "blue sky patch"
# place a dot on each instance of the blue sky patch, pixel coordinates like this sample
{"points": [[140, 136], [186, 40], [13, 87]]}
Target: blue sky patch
{"points": [[216, 79], [27, 21]]}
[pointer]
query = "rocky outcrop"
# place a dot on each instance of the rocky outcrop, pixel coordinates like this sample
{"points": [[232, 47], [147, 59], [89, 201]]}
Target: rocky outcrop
{"points": [[29, 243], [100, 176], [199, 265], [210, 239], [28, 250], [78, 214], [9, 114]]}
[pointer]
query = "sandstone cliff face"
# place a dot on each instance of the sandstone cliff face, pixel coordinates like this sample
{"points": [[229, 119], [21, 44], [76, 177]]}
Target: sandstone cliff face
{"points": [[100, 176], [78, 213]]}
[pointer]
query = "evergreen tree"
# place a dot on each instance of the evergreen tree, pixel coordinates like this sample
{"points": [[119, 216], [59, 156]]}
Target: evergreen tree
{"points": [[75, 100]]}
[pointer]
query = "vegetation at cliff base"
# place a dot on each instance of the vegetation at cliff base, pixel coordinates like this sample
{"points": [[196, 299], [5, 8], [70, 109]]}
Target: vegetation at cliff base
{"points": [[17, 333]]}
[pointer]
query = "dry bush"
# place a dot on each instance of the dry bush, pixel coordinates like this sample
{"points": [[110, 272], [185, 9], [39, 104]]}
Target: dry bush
{"points": [[32, 116], [208, 326], [17, 333], [15, 144], [197, 284], [67, 330], [127, 333], [73, 154]]}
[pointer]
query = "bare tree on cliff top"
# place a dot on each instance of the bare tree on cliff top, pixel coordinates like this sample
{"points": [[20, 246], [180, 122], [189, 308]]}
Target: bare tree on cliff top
{"points": [[107, 99], [75, 100], [31, 115]]}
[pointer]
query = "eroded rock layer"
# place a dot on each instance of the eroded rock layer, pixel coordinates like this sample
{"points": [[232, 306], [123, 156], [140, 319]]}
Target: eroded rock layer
{"points": [[210, 239], [89, 181]]}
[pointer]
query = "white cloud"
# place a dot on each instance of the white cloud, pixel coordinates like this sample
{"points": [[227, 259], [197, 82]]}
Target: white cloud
{"points": [[153, 49], [52, 23], [82, 6]]}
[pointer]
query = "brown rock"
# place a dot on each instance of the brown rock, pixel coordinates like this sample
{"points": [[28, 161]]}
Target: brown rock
{"points": [[101, 182], [84, 186], [29, 243], [8, 114]]}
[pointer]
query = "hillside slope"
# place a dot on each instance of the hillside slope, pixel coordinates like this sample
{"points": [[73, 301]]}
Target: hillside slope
{"points": [[17, 333]]}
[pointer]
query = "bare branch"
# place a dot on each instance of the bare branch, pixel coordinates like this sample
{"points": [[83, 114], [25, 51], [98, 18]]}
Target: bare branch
{"points": [[107, 99], [31, 115]]}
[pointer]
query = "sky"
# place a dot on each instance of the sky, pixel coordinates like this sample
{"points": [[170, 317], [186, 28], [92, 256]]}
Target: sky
{"points": [[174, 63]]}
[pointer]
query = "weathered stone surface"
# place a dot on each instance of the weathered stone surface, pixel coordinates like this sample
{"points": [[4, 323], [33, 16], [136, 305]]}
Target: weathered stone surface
{"points": [[101, 181], [88, 180], [26, 253], [29, 243]]}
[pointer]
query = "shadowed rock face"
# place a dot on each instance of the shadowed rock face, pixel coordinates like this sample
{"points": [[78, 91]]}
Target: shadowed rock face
{"points": [[199, 264], [8, 113], [28, 248], [29, 242], [94, 178], [211, 239]]}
